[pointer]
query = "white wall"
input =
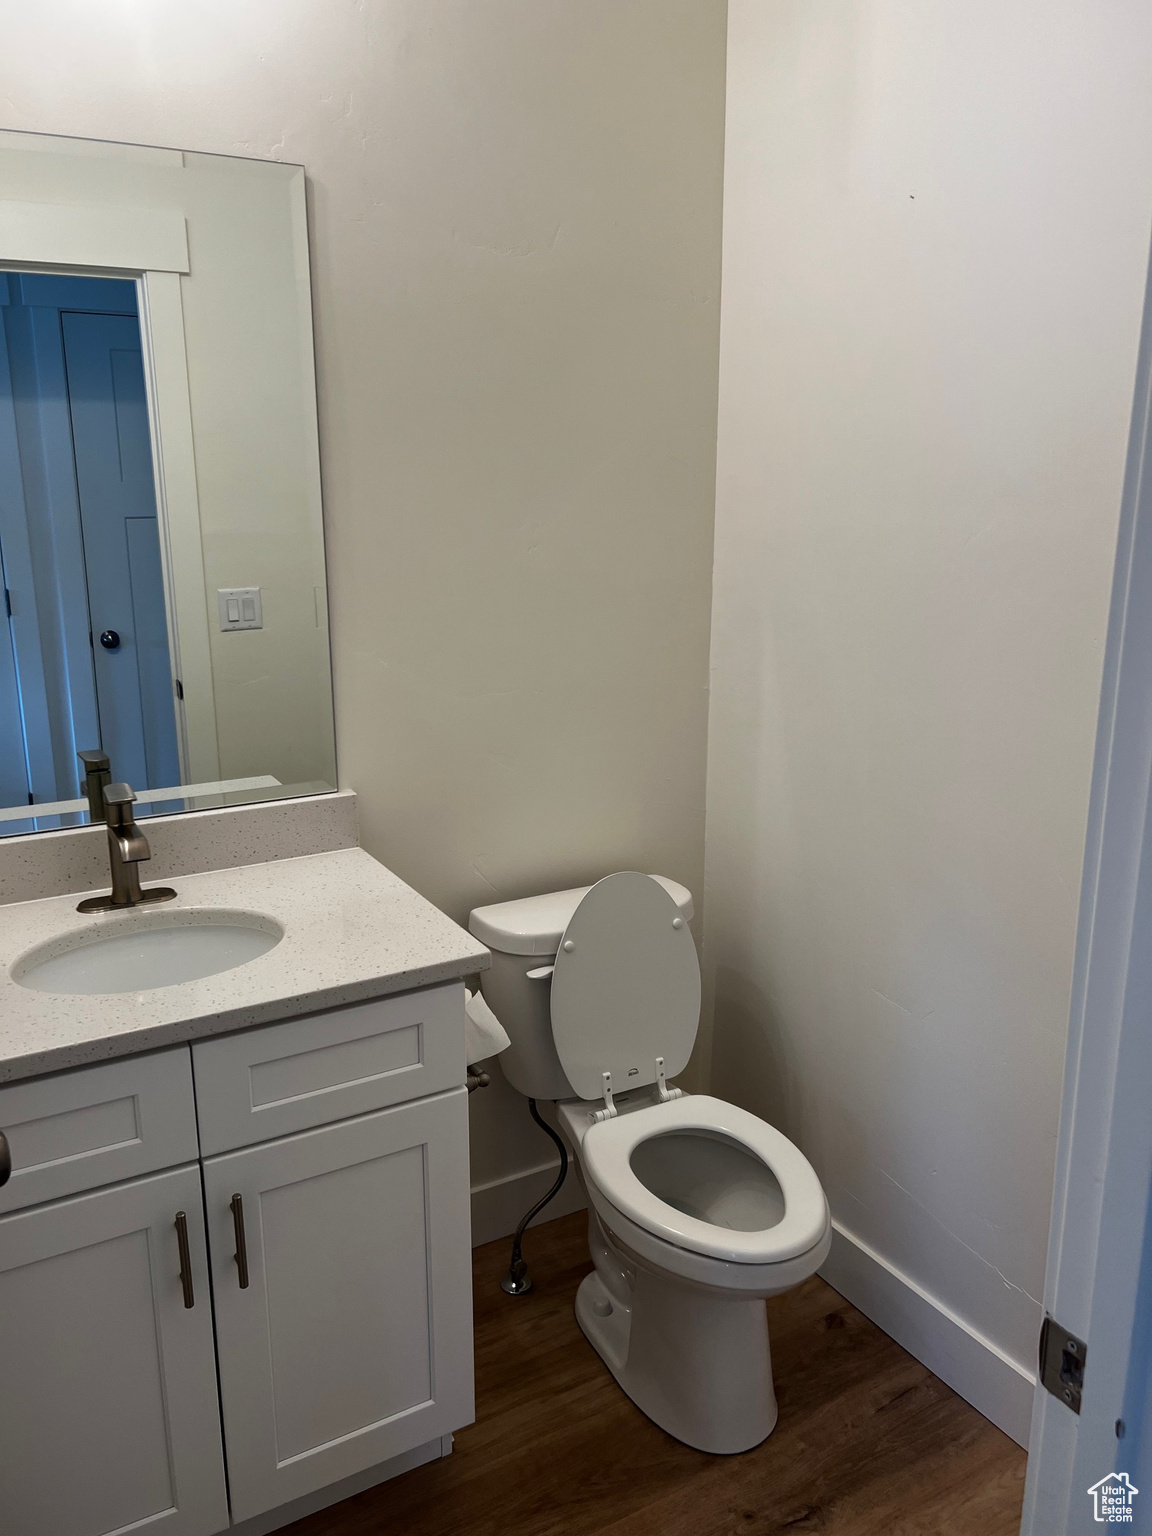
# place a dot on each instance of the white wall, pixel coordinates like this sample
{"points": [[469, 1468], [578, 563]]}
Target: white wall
{"points": [[515, 210], [936, 231]]}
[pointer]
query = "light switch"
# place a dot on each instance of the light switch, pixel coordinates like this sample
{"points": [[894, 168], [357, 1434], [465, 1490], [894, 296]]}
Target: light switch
{"points": [[240, 608]]}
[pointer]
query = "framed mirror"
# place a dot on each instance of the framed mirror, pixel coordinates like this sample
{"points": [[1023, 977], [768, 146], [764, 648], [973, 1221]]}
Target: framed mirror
{"points": [[161, 542]]}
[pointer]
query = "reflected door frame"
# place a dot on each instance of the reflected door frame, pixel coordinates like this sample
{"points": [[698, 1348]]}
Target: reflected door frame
{"points": [[178, 514], [150, 248]]}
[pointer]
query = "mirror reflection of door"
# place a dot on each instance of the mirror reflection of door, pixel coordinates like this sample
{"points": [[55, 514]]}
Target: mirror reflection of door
{"points": [[121, 546], [89, 636]]}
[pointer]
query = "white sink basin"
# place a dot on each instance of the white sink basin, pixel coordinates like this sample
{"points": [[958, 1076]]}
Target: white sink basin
{"points": [[138, 951]]}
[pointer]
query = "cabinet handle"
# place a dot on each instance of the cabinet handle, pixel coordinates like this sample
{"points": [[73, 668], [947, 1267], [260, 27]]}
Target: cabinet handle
{"points": [[185, 1259], [5, 1159], [241, 1243]]}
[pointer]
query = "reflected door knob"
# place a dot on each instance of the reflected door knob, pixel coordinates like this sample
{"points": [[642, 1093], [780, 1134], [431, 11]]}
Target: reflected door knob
{"points": [[110, 639]]}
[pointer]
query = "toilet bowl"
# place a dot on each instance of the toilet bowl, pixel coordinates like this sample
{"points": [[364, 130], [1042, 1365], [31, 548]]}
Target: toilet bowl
{"points": [[698, 1210]]}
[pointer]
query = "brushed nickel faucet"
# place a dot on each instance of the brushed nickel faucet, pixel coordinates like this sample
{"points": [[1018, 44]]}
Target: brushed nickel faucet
{"points": [[127, 850]]}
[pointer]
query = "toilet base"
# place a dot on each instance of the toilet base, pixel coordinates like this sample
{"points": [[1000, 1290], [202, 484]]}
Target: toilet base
{"points": [[605, 1323], [696, 1363]]}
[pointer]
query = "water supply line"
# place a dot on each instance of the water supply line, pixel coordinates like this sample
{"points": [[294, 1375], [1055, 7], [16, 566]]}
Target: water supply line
{"points": [[517, 1281]]}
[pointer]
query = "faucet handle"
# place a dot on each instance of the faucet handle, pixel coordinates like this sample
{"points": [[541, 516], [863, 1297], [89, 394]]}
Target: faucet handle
{"points": [[118, 802], [95, 762]]}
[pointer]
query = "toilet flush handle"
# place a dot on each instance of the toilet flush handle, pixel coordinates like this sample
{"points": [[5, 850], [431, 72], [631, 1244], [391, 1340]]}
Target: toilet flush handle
{"points": [[541, 973]]}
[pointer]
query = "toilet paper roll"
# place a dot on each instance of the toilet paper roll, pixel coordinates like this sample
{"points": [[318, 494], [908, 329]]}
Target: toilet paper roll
{"points": [[484, 1035]]}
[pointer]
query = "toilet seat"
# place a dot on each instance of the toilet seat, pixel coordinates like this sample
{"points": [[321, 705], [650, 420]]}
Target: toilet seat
{"points": [[701, 1270], [606, 1154]]}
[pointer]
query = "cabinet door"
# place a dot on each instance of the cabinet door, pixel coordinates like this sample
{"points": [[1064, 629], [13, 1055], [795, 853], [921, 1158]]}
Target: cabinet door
{"points": [[352, 1341], [109, 1419]]}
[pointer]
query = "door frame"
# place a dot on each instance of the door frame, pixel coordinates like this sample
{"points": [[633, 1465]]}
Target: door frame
{"points": [[150, 248], [1104, 1152], [161, 311]]}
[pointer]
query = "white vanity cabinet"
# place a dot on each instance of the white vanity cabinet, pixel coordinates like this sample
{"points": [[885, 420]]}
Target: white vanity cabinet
{"points": [[108, 1411], [351, 1341], [330, 1157]]}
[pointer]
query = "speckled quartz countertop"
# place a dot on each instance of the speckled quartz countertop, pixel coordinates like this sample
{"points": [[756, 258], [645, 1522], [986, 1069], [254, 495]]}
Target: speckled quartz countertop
{"points": [[352, 930]]}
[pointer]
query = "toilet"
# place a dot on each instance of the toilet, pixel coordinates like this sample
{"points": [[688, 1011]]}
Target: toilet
{"points": [[697, 1210]]}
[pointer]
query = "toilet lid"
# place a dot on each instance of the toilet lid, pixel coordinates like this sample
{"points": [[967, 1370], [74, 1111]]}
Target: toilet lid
{"points": [[626, 987]]}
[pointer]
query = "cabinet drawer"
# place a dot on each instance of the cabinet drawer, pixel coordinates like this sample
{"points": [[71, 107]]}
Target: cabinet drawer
{"points": [[97, 1125], [290, 1077]]}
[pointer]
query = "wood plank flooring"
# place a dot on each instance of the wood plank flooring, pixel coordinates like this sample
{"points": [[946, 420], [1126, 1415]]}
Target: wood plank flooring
{"points": [[868, 1443]]}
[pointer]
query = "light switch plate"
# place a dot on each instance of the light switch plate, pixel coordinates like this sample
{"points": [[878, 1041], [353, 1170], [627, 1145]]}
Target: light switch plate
{"points": [[240, 608]]}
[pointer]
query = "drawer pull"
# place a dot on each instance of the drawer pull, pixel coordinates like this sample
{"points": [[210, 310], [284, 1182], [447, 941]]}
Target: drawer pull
{"points": [[5, 1159], [241, 1242], [185, 1259]]}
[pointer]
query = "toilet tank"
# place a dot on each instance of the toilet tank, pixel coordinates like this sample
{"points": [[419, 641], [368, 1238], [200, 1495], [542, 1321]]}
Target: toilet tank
{"points": [[524, 936]]}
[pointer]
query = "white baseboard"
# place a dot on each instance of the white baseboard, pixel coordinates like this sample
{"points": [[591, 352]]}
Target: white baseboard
{"points": [[497, 1207], [971, 1365]]}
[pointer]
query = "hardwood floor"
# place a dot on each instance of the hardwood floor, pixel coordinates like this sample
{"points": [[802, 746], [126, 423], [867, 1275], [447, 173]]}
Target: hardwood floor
{"points": [[868, 1443]]}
